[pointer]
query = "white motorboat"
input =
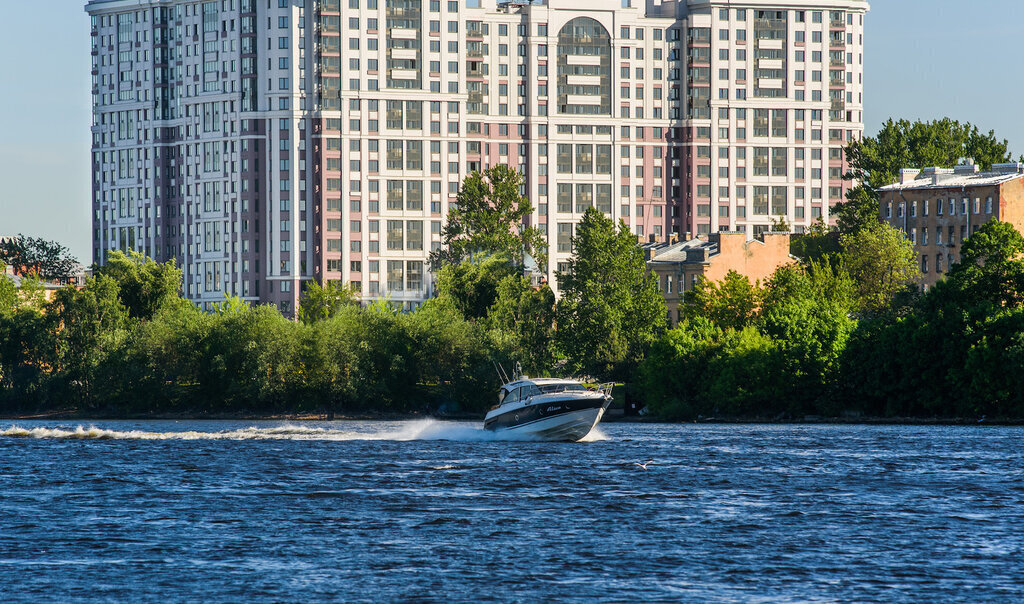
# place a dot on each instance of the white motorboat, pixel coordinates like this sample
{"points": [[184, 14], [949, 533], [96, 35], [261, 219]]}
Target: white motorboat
{"points": [[548, 408]]}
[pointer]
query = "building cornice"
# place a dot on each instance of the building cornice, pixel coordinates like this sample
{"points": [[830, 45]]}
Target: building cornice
{"points": [[93, 6], [850, 5]]}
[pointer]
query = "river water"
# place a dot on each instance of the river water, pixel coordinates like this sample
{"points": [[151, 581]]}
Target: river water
{"points": [[431, 511]]}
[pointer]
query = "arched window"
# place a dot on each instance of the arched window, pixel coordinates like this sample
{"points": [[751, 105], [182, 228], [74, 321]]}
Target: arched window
{"points": [[584, 68]]}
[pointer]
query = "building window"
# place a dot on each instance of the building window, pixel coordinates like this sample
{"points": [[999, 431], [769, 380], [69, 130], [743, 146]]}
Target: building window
{"points": [[395, 275], [564, 237], [396, 240]]}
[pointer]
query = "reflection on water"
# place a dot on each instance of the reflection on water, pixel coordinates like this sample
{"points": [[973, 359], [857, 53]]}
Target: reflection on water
{"points": [[441, 511]]}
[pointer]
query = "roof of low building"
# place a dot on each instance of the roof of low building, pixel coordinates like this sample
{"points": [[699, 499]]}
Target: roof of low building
{"points": [[676, 252], [932, 178], [693, 250]]}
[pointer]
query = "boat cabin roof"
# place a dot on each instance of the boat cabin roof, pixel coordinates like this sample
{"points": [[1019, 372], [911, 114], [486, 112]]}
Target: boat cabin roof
{"points": [[538, 382]]}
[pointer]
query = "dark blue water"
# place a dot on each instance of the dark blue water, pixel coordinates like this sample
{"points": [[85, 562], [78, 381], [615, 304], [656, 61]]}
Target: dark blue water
{"points": [[421, 511]]}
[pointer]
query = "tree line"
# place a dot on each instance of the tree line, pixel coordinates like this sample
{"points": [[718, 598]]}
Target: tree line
{"points": [[35, 256], [842, 335], [127, 343], [845, 330]]}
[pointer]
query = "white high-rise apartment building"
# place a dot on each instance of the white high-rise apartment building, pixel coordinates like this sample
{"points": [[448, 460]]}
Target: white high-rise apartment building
{"points": [[266, 143]]}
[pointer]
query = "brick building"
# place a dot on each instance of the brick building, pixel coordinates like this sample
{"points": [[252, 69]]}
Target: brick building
{"points": [[679, 265], [938, 208]]}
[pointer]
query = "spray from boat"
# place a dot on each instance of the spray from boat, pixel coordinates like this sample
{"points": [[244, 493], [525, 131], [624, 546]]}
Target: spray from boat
{"points": [[416, 430]]}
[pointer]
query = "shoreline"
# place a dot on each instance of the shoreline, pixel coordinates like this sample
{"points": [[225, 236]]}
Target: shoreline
{"points": [[322, 417]]}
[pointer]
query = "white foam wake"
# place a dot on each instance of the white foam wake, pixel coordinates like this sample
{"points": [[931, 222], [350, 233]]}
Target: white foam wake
{"points": [[427, 429], [595, 435]]}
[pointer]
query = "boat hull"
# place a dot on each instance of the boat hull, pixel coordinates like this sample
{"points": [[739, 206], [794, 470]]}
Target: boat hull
{"points": [[563, 420]]}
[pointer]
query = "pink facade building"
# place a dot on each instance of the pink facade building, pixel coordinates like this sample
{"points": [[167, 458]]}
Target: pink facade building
{"points": [[267, 144]]}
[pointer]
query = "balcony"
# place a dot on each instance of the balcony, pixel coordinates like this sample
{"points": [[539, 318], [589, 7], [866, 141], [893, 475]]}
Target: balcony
{"points": [[699, 35], [404, 74]]}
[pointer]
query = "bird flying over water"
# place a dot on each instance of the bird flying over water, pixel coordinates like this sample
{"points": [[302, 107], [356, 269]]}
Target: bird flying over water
{"points": [[643, 466]]}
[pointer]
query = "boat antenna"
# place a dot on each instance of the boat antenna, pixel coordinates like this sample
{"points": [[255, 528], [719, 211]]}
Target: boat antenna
{"points": [[501, 372]]}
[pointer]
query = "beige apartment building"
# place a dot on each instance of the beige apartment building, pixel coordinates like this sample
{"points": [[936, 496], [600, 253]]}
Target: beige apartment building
{"points": [[938, 208], [267, 143]]}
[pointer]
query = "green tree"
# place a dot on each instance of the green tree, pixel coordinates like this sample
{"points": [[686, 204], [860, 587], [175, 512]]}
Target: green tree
{"points": [[747, 376], [490, 219], [388, 378], [877, 161], [8, 292], [471, 286], [810, 325], [991, 267], [672, 377], [49, 260], [731, 304], [325, 368], [816, 243], [882, 263], [91, 325], [32, 293], [323, 302], [526, 316], [144, 285], [698, 369], [488, 291], [26, 342], [167, 353], [247, 358], [858, 211], [611, 310], [451, 359], [991, 376], [957, 353]]}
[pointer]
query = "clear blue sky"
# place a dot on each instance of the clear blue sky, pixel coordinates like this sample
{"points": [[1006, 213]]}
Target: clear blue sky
{"points": [[925, 59]]}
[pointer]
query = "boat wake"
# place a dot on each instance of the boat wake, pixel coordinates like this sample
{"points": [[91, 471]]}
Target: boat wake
{"points": [[420, 430]]}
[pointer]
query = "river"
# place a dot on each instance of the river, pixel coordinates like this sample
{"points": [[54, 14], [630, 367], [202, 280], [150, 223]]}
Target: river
{"points": [[432, 511]]}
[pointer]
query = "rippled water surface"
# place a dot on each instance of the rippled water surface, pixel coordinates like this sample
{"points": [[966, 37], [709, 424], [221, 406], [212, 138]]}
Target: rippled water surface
{"points": [[440, 511]]}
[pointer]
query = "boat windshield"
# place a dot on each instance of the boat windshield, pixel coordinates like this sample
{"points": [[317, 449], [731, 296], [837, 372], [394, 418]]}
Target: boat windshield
{"points": [[549, 388]]}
